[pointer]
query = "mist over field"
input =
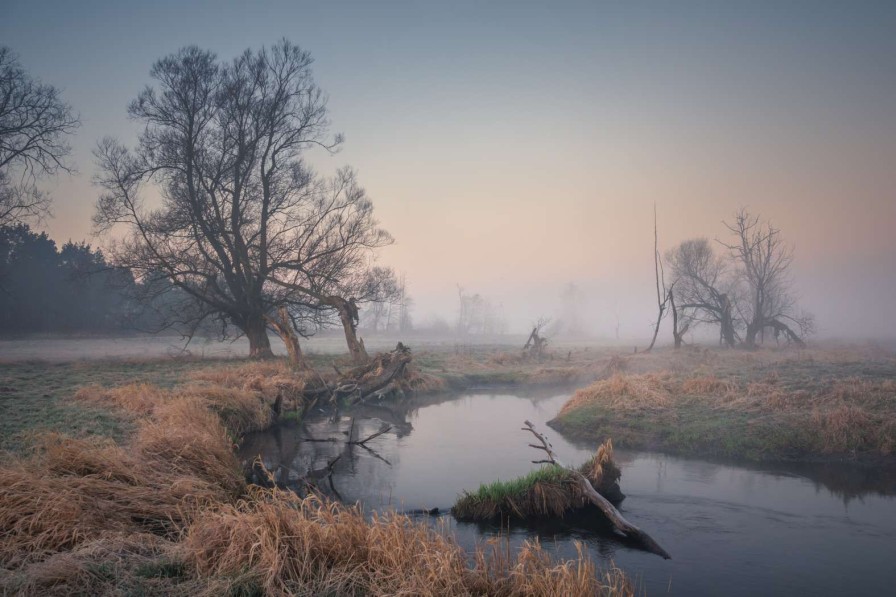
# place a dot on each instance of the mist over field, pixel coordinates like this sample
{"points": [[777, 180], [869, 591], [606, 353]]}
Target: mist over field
{"points": [[513, 150], [446, 299]]}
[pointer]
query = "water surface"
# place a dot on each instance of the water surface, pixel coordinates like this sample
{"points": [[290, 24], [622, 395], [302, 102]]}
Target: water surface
{"points": [[734, 530]]}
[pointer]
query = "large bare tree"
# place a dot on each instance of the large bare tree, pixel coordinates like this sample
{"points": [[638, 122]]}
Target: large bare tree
{"points": [[763, 263], [243, 227], [34, 125]]}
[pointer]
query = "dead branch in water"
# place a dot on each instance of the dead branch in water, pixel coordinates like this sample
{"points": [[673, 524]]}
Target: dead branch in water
{"points": [[384, 429], [623, 526]]}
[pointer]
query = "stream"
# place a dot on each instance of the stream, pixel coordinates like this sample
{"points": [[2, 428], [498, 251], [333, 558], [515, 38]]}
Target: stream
{"points": [[815, 529]]}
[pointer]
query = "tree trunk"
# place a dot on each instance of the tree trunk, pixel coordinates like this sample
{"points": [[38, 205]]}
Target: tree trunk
{"points": [[257, 333], [752, 332], [348, 315], [656, 328], [282, 323], [676, 333], [727, 322]]}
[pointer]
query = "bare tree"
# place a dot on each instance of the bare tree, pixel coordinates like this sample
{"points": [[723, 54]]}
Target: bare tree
{"points": [[244, 227], [34, 124], [478, 315], [571, 299], [763, 261], [662, 293], [703, 287]]}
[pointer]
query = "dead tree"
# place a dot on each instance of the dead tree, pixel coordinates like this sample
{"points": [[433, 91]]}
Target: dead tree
{"points": [[536, 344], [376, 378], [662, 296], [622, 526], [703, 283]]}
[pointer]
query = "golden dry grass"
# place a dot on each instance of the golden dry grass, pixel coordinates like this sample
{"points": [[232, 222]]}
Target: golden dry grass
{"points": [[625, 392], [289, 545], [169, 513], [824, 402]]}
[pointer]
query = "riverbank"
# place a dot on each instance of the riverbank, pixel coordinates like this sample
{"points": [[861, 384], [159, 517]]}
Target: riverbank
{"points": [[152, 499], [35, 395], [821, 404], [830, 402]]}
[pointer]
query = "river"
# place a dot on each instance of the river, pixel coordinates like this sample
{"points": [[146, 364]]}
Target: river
{"points": [[731, 529]]}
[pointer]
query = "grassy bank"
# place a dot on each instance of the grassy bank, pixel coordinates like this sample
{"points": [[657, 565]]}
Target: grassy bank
{"points": [[763, 405], [156, 502], [34, 395], [546, 492]]}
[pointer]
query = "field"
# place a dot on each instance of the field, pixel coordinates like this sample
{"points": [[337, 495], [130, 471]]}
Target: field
{"points": [[120, 475]]}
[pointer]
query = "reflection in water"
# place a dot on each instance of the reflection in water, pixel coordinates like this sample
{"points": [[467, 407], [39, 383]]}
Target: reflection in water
{"points": [[781, 529]]}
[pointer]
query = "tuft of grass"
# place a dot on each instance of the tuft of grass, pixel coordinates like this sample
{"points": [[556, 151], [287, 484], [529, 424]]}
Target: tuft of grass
{"points": [[549, 491]]}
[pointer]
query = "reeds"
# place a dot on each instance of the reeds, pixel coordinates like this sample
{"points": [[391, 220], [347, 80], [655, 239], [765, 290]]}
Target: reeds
{"points": [[283, 544], [169, 513]]}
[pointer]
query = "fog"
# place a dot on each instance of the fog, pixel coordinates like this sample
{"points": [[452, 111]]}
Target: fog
{"points": [[515, 149]]}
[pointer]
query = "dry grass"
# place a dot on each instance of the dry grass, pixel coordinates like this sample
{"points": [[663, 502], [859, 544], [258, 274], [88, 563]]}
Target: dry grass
{"points": [[138, 399], [418, 381], [625, 392], [267, 380], [288, 545], [763, 404], [169, 513], [602, 469], [71, 491]]}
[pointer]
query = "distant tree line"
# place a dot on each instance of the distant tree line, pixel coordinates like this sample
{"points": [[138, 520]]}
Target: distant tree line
{"points": [[478, 316], [45, 288]]}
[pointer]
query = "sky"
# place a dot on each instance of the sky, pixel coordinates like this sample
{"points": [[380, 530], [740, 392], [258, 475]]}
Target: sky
{"points": [[512, 147]]}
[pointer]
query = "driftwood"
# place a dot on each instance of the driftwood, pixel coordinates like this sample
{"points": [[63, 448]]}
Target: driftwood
{"points": [[619, 522], [374, 378]]}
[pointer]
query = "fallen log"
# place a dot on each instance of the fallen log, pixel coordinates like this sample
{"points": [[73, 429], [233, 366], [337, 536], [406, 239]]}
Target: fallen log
{"points": [[622, 526]]}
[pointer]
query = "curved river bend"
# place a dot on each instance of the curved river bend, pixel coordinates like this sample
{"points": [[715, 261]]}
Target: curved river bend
{"points": [[733, 530]]}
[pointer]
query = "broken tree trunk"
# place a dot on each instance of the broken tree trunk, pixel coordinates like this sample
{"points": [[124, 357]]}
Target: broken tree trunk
{"points": [[619, 522], [392, 364], [536, 344], [348, 315], [373, 378], [780, 326], [282, 324]]}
